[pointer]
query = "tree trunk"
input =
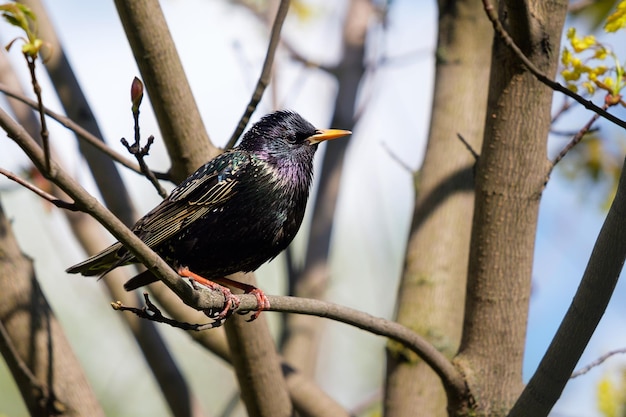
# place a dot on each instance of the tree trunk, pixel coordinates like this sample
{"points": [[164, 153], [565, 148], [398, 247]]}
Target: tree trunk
{"points": [[257, 364], [432, 290], [183, 131], [302, 333], [510, 178], [32, 341]]}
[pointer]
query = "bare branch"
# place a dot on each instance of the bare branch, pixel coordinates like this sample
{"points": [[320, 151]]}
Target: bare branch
{"points": [[450, 376], [540, 76], [81, 133], [151, 312], [41, 193], [468, 146], [591, 299], [37, 90], [140, 152], [575, 140], [597, 362], [266, 72], [394, 155]]}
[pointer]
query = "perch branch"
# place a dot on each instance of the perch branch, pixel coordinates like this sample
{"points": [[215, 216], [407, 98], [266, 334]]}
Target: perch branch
{"points": [[450, 376], [200, 299]]}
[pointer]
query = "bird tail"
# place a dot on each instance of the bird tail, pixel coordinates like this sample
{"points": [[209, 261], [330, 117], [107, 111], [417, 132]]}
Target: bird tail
{"points": [[144, 278], [100, 264]]}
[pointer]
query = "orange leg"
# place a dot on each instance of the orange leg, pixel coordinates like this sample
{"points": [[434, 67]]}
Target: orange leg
{"points": [[231, 302], [263, 303]]}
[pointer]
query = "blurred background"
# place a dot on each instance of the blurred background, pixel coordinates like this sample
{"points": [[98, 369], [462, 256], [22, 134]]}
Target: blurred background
{"points": [[222, 45]]}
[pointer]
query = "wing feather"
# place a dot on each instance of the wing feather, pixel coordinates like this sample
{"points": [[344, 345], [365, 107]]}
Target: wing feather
{"points": [[208, 189]]}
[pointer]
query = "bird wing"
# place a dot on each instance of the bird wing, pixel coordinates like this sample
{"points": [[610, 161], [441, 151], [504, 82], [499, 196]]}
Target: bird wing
{"points": [[206, 190]]}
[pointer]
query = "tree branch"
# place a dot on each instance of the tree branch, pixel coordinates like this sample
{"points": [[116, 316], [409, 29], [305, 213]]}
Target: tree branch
{"points": [[86, 202], [586, 310], [450, 376], [266, 72], [81, 133], [181, 125], [575, 140], [41, 193], [597, 362], [508, 41]]}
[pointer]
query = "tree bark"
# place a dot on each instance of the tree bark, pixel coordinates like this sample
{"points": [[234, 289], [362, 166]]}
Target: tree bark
{"points": [[510, 178], [584, 314], [183, 131], [88, 232], [76, 107], [432, 290], [32, 341], [189, 147], [257, 365]]}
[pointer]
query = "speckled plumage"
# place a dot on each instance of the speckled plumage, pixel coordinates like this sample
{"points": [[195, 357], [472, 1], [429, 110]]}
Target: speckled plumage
{"points": [[234, 213]]}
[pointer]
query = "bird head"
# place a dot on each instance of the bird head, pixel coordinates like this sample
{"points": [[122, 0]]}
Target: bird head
{"points": [[285, 135]]}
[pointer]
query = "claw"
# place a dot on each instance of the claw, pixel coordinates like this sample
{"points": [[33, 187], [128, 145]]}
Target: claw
{"points": [[262, 303], [231, 303]]}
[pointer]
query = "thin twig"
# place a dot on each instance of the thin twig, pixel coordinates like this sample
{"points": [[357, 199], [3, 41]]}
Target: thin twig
{"points": [[136, 97], [571, 132], [540, 76], [266, 72], [81, 133], [576, 139], [153, 313], [42, 119], [32, 379], [468, 146], [140, 152], [597, 362], [41, 193], [397, 158]]}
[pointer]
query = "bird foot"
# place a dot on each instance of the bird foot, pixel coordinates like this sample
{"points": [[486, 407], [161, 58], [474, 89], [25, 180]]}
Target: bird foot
{"points": [[231, 303], [262, 303]]}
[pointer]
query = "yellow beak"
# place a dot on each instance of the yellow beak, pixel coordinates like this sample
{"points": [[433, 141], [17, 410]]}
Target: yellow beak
{"points": [[327, 134]]}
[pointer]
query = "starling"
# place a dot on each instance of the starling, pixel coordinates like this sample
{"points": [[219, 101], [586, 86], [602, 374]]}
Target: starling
{"points": [[236, 212]]}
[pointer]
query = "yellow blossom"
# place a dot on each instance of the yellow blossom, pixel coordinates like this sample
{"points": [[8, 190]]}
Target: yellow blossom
{"points": [[617, 20], [600, 53], [566, 56], [583, 44], [570, 75], [591, 88]]}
